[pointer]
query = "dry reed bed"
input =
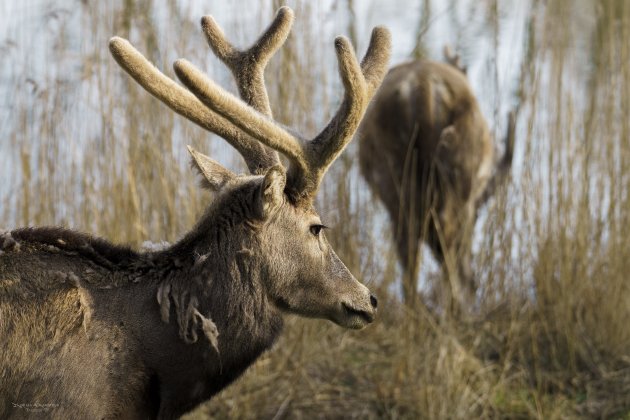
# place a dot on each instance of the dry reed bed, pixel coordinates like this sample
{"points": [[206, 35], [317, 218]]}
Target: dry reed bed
{"points": [[84, 147]]}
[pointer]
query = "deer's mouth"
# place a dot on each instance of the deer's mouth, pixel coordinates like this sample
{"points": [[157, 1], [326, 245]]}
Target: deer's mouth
{"points": [[368, 317]]}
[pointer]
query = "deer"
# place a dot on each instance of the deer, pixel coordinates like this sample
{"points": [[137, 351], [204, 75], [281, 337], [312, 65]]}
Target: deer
{"points": [[426, 152], [90, 329]]}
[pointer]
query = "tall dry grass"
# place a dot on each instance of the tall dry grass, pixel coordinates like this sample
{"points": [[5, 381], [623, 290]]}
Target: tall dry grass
{"points": [[86, 148]]}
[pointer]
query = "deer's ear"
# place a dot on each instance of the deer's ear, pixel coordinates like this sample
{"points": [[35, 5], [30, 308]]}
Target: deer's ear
{"points": [[271, 193], [214, 175]]}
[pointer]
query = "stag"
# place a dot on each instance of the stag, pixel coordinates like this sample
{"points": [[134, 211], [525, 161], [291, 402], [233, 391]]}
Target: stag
{"points": [[97, 330], [426, 152]]}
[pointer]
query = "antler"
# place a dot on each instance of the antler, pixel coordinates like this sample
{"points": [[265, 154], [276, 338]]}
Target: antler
{"points": [[453, 59], [248, 66], [248, 69], [309, 160], [239, 123]]}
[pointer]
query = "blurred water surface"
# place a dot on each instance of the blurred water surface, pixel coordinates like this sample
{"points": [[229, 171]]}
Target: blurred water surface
{"points": [[61, 94]]}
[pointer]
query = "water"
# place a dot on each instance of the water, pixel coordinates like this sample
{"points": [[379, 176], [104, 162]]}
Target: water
{"points": [[46, 75]]}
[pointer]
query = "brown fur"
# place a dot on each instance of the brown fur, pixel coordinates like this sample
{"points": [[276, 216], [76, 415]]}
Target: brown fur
{"points": [[94, 330], [427, 153], [101, 331]]}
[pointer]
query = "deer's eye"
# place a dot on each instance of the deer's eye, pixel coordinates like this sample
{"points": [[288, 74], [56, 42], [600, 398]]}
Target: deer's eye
{"points": [[316, 229]]}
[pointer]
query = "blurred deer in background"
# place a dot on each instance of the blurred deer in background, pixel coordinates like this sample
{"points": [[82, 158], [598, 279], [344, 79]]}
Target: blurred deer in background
{"points": [[427, 153], [88, 325]]}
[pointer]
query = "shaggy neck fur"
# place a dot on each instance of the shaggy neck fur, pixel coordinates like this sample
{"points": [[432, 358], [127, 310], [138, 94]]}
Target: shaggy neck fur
{"points": [[218, 269], [217, 281], [204, 316]]}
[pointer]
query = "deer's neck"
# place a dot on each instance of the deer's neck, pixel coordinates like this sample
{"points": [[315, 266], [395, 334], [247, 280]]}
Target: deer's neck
{"points": [[217, 276]]}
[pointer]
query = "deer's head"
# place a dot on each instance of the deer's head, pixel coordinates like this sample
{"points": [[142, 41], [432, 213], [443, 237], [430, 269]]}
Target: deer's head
{"points": [[303, 273]]}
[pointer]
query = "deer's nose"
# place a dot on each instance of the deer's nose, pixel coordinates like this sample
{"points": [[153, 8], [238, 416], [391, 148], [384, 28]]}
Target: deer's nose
{"points": [[373, 301]]}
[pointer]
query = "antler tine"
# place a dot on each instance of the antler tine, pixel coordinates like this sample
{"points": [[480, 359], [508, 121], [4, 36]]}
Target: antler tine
{"points": [[374, 64], [309, 162], [237, 112], [186, 104], [453, 59], [360, 83], [248, 66]]}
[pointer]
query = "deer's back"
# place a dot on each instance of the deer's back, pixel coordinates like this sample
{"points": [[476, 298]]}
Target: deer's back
{"points": [[60, 343], [404, 124]]}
